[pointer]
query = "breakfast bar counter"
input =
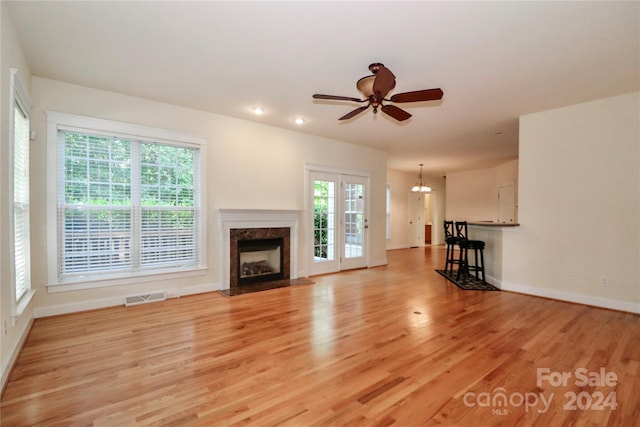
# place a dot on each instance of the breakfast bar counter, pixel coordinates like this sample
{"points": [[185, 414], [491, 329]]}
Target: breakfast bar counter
{"points": [[492, 234], [492, 224]]}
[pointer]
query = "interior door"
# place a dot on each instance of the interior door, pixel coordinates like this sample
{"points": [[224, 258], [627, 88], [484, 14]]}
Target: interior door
{"points": [[506, 204], [416, 220], [340, 225]]}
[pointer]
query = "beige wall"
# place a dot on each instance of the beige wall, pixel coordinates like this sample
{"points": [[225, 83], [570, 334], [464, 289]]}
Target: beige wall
{"points": [[241, 156], [473, 195], [579, 205], [401, 183], [11, 56]]}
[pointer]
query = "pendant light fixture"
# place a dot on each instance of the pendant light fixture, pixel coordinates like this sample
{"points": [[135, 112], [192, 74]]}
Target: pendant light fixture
{"points": [[420, 187]]}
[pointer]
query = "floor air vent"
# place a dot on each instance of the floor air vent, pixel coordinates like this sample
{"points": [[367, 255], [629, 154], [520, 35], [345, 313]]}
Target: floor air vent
{"points": [[144, 299]]}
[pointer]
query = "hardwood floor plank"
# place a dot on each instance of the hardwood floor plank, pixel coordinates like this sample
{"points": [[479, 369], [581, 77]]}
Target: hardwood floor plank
{"points": [[392, 345]]}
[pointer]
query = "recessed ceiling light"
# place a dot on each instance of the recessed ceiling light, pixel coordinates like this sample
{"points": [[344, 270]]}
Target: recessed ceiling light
{"points": [[299, 121], [258, 111]]}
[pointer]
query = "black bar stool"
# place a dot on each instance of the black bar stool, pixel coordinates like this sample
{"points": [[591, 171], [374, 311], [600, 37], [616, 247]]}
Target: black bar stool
{"points": [[452, 241], [477, 246]]}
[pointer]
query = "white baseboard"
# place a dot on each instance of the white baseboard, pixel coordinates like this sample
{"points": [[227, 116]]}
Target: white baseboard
{"points": [[493, 281], [54, 310], [396, 247], [301, 273], [378, 262], [627, 306], [200, 289], [14, 353]]}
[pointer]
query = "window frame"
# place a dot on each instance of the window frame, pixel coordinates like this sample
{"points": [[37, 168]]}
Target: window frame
{"points": [[84, 124], [388, 212], [18, 97]]}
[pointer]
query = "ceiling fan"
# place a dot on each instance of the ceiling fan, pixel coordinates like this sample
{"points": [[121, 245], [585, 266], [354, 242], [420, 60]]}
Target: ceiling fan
{"points": [[376, 87]]}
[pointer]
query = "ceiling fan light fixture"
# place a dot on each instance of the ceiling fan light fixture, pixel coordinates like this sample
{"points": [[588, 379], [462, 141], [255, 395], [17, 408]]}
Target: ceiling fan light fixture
{"points": [[365, 85], [420, 187]]}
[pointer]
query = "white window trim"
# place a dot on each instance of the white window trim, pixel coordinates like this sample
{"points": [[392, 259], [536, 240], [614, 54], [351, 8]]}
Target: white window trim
{"points": [[388, 212], [18, 93], [91, 124]]}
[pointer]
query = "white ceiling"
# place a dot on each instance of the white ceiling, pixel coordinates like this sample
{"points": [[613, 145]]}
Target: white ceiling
{"points": [[495, 61]]}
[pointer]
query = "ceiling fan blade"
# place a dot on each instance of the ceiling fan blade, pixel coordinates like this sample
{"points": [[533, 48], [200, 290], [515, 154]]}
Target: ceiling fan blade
{"points": [[384, 82], [337, 98], [395, 112], [353, 113], [418, 95]]}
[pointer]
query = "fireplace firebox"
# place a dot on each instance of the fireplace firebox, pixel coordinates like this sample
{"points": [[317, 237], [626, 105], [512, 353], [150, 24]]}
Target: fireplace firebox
{"points": [[260, 260]]}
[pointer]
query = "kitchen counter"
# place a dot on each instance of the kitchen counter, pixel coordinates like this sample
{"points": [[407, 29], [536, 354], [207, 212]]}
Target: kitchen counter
{"points": [[492, 234], [493, 224]]}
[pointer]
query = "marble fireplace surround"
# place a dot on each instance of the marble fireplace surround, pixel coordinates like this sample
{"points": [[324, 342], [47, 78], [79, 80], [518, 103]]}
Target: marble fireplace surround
{"points": [[257, 218]]}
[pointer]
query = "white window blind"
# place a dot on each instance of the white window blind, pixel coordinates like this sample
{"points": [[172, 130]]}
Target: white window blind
{"points": [[125, 205], [21, 239]]}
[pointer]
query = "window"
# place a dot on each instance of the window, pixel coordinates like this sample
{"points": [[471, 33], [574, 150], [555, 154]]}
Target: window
{"points": [[127, 202], [19, 161], [388, 211]]}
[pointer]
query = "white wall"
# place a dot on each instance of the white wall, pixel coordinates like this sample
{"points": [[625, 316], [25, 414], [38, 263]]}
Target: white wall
{"points": [[579, 205], [401, 183], [473, 195], [11, 56]]}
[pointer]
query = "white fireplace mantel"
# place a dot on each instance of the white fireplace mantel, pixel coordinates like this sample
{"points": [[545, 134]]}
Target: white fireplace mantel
{"points": [[257, 218]]}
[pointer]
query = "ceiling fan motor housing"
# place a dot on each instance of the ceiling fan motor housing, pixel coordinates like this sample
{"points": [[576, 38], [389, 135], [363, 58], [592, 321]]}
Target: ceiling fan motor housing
{"points": [[375, 67]]}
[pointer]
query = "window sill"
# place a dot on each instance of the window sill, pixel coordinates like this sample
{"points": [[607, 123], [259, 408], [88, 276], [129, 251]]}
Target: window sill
{"points": [[21, 305], [103, 282]]}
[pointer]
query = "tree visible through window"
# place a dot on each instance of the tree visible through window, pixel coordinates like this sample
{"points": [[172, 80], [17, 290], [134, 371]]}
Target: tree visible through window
{"points": [[126, 205], [323, 219]]}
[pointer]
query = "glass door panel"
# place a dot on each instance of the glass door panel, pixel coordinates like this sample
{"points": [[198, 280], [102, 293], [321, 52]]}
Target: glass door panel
{"points": [[325, 223], [354, 222], [324, 220]]}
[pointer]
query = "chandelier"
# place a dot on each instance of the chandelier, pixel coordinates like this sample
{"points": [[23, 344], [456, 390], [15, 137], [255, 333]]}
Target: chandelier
{"points": [[420, 187]]}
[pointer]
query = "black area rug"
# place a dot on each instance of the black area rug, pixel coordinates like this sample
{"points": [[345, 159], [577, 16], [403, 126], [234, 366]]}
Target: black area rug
{"points": [[264, 286], [467, 282]]}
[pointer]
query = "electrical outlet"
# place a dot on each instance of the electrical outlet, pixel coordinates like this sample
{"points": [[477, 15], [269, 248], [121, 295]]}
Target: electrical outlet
{"points": [[605, 281], [4, 326]]}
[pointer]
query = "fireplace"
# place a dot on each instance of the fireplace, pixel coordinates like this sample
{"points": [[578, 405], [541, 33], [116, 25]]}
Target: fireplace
{"points": [[260, 260], [258, 255], [257, 224]]}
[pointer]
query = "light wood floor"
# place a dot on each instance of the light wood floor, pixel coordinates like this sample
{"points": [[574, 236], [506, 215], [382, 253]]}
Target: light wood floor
{"points": [[395, 345]]}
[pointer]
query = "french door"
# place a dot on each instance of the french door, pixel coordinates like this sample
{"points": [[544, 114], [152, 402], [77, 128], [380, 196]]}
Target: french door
{"points": [[340, 225]]}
